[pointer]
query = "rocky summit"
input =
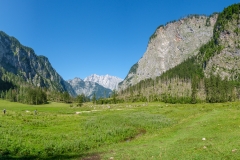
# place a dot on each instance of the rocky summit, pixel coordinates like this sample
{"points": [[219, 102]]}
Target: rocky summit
{"points": [[107, 81], [89, 88], [170, 45]]}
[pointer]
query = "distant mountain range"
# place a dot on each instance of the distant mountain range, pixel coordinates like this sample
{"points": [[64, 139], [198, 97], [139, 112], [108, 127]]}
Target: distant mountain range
{"points": [[22, 62], [179, 59], [106, 81], [102, 86]]}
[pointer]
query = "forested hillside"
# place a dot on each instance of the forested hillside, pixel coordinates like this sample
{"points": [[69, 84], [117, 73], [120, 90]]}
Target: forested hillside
{"points": [[170, 45], [16, 89], [22, 62], [28, 78], [212, 75]]}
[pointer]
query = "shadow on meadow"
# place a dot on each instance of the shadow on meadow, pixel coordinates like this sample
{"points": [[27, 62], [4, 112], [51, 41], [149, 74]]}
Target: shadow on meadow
{"points": [[94, 156]]}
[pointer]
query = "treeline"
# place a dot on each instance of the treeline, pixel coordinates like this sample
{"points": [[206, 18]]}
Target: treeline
{"points": [[80, 99], [218, 90], [16, 89], [111, 100], [175, 90], [36, 95], [5, 85], [25, 95], [184, 83], [185, 70]]}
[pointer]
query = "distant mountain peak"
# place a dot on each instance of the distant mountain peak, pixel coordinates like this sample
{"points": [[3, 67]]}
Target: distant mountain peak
{"points": [[89, 88], [106, 81]]}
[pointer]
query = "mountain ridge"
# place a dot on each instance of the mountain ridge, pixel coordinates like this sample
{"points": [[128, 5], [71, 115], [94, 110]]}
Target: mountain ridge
{"points": [[211, 75], [89, 88], [169, 46], [23, 62], [106, 81]]}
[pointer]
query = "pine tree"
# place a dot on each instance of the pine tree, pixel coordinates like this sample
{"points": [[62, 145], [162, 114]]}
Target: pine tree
{"points": [[94, 98]]}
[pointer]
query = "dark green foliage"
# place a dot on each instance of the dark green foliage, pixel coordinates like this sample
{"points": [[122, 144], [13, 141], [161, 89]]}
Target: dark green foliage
{"points": [[27, 95], [5, 85], [208, 23], [109, 101], [15, 43], [218, 90], [167, 98], [114, 95], [35, 96], [213, 46], [194, 83], [237, 31], [66, 97], [94, 98], [36, 73], [154, 34], [80, 99], [186, 70], [192, 70], [228, 14], [133, 69], [209, 49], [15, 89]]}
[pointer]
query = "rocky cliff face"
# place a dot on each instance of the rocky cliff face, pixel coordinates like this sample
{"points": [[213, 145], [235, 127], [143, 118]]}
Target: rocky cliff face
{"points": [[23, 61], [107, 81], [227, 63], [169, 46], [89, 88]]}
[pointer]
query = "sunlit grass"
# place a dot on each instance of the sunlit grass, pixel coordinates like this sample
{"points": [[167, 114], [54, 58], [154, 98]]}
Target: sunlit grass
{"points": [[121, 131]]}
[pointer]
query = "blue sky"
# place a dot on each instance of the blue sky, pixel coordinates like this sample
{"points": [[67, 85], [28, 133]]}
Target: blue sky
{"points": [[83, 37]]}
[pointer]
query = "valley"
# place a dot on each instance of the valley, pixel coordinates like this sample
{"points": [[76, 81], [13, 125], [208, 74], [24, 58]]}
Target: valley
{"points": [[181, 100], [123, 131]]}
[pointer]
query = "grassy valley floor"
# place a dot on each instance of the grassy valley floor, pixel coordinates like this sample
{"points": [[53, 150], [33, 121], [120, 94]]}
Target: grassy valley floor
{"points": [[122, 131]]}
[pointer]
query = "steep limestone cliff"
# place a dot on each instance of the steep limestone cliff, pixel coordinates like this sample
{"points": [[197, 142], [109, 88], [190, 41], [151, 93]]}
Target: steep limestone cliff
{"points": [[212, 75], [169, 46], [226, 63]]}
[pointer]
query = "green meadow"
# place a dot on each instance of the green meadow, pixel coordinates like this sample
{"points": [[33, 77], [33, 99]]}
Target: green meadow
{"points": [[122, 131]]}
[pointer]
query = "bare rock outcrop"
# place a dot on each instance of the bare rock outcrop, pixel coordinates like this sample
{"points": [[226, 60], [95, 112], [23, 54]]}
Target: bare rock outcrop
{"points": [[169, 46]]}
